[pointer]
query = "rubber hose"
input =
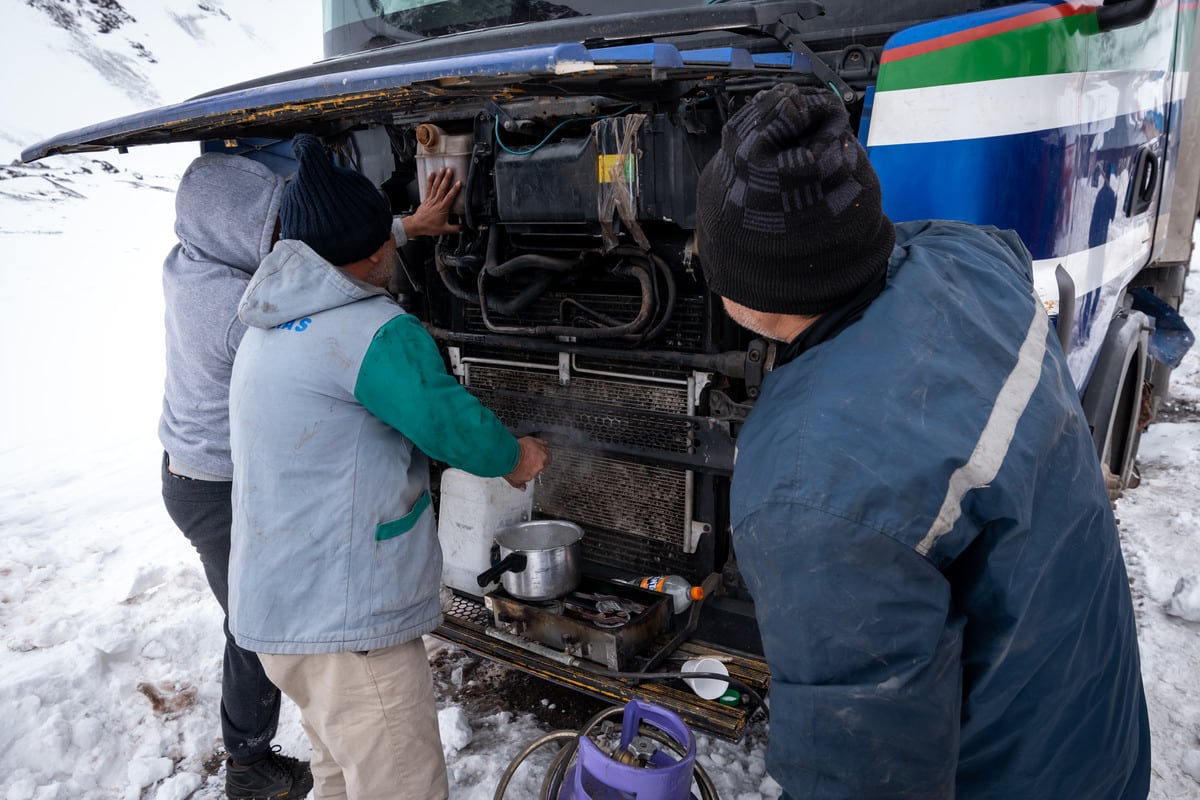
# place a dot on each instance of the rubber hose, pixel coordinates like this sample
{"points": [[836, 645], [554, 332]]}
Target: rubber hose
{"points": [[552, 784], [530, 261], [448, 278], [468, 193], [515, 764], [638, 271]]}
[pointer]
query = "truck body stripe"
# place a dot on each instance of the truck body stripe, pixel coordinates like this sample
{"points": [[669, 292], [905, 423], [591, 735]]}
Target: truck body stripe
{"points": [[1080, 99], [1012, 22]]}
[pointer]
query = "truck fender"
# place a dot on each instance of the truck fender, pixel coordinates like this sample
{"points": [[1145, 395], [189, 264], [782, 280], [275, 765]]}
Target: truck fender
{"points": [[1112, 399]]}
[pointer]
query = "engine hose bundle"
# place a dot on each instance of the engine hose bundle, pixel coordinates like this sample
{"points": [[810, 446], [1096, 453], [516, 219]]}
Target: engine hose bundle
{"points": [[449, 264], [631, 328], [645, 268], [660, 268], [552, 783], [648, 269]]}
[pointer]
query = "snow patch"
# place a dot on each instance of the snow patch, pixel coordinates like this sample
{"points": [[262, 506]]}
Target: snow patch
{"points": [[455, 729], [1185, 602], [1191, 764]]}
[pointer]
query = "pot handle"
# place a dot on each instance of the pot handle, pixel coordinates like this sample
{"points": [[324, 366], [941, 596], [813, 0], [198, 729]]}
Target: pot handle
{"points": [[513, 561]]}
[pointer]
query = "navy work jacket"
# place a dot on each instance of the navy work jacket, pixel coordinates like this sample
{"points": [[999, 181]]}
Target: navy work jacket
{"points": [[919, 512]]}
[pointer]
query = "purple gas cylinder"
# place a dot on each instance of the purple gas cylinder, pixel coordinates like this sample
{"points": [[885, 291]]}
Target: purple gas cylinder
{"points": [[655, 774]]}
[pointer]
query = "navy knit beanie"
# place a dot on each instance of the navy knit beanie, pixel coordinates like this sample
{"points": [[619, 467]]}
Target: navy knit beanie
{"points": [[789, 214], [337, 212]]}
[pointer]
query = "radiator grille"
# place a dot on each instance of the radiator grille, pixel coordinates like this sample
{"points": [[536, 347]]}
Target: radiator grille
{"points": [[607, 412], [639, 555], [622, 394], [633, 498], [636, 515]]}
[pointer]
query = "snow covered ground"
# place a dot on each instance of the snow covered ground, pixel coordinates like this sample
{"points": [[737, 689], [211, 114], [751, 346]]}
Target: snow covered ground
{"points": [[109, 640]]}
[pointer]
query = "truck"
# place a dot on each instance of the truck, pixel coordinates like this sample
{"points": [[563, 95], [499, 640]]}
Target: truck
{"points": [[570, 302]]}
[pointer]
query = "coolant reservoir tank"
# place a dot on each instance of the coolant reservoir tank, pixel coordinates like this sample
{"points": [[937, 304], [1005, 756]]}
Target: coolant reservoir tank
{"points": [[437, 149]]}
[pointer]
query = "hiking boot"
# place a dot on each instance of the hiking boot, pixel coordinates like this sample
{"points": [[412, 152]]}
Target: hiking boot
{"points": [[273, 777]]}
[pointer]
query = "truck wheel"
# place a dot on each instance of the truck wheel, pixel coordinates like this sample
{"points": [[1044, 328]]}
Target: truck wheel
{"points": [[1113, 397]]}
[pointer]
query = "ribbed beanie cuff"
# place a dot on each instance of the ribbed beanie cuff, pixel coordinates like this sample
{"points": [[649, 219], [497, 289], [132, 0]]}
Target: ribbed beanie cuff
{"points": [[337, 212], [789, 211]]}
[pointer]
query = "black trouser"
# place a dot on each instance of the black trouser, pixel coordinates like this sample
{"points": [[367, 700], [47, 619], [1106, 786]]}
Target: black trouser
{"points": [[203, 510]]}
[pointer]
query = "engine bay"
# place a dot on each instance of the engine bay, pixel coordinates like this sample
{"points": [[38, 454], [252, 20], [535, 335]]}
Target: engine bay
{"points": [[571, 302]]}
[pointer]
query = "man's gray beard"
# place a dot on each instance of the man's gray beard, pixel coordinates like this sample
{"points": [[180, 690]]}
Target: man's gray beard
{"points": [[739, 315], [381, 274]]}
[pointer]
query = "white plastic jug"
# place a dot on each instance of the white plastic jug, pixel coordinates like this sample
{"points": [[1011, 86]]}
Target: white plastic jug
{"points": [[471, 511]]}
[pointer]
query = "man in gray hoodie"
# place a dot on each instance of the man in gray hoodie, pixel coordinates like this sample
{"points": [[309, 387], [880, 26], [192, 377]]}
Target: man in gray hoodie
{"points": [[338, 400], [226, 212]]}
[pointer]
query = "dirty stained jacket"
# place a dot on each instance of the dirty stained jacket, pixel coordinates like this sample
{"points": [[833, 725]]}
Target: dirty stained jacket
{"points": [[338, 399], [919, 512]]}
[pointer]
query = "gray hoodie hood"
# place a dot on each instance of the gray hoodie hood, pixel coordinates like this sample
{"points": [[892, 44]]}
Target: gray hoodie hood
{"points": [[225, 210], [295, 282]]}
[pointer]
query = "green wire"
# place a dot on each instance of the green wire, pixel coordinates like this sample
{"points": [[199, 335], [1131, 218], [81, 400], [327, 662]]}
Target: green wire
{"points": [[553, 130]]}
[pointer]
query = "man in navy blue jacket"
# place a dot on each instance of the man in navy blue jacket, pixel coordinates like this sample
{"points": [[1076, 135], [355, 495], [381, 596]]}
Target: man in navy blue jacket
{"points": [[917, 506]]}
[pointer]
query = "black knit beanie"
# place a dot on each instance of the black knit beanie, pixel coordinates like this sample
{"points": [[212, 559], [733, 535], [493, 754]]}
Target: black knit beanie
{"points": [[337, 212], [789, 215]]}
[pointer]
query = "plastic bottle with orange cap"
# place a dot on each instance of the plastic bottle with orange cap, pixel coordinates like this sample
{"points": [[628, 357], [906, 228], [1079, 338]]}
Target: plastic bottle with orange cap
{"points": [[680, 589]]}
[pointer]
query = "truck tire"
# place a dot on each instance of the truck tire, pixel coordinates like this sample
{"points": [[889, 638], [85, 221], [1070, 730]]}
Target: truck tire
{"points": [[1112, 400]]}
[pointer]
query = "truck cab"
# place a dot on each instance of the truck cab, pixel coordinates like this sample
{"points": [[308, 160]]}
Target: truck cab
{"points": [[571, 304]]}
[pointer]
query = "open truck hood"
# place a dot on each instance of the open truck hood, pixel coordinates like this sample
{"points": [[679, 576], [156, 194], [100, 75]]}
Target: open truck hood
{"points": [[575, 55]]}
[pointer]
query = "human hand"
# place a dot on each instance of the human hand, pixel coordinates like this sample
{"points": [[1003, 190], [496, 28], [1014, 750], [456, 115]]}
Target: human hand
{"points": [[535, 457], [432, 217]]}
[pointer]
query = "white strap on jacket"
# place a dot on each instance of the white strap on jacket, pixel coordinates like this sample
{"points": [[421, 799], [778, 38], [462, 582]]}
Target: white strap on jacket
{"points": [[997, 435]]}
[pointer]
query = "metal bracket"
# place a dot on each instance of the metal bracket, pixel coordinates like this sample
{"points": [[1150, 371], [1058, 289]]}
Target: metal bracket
{"points": [[722, 407], [756, 366], [696, 386], [456, 363], [695, 530], [785, 32], [495, 111]]}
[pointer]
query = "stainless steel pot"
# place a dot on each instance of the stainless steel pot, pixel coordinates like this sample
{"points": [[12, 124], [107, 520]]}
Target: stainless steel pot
{"points": [[539, 560]]}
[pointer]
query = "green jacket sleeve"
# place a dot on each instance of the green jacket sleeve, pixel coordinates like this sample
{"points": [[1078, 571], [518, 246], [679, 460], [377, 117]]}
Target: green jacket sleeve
{"points": [[403, 381]]}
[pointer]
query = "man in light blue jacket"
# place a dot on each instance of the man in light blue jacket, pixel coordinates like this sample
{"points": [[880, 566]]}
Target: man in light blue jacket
{"points": [[917, 505], [338, 401]]}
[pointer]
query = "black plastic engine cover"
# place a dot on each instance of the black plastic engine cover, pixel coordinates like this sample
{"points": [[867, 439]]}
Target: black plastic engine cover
{"points": [[574, 181]]}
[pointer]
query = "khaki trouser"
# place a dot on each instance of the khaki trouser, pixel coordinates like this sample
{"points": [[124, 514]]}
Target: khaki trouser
{"points": [[371, 719]]}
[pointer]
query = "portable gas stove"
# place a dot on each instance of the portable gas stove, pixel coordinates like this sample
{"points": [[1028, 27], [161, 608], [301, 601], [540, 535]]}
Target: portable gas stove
{"points": [[601, 621]]}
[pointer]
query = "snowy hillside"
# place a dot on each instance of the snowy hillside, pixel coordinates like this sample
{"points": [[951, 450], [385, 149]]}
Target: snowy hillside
{"points": [[110, 643], [69, 63]]}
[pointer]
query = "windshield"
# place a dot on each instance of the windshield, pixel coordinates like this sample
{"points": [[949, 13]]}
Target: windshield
{"points": [[375, 23], [352, 26]]}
